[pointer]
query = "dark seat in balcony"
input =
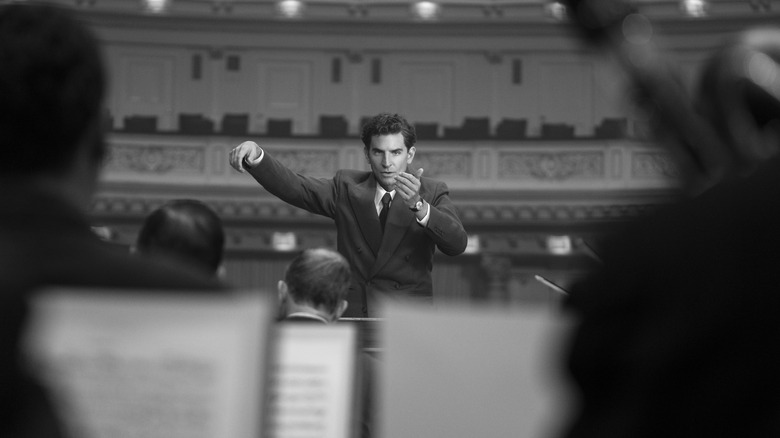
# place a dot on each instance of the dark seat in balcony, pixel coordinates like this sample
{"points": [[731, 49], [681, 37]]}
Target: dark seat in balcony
{"points": [[140, 124], [511, 129], [557, 130], [235, 124], [426, 131], [195, 124], [279, 128], [333, 126], [612, 128]]}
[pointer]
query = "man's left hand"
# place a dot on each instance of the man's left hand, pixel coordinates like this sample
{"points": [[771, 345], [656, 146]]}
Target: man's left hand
{"points": [[408, 186]]}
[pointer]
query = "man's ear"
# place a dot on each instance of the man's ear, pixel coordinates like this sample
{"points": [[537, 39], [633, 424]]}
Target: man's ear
{"points": [[282, 290], [410, 155]]}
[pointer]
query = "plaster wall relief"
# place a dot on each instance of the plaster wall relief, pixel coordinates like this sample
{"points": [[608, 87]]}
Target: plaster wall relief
{"points": [[551, 166], [156, 159], [653, 165], [445, 165], [322, 163]]}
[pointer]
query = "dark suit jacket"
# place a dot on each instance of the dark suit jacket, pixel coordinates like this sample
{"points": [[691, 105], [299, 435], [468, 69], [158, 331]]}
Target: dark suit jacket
{"points": [[678, 333], [396, 264], [46, 242]]}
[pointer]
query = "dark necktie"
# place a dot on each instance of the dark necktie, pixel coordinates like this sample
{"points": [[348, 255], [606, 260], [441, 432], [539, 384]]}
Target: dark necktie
{"points": [[385, 209]]}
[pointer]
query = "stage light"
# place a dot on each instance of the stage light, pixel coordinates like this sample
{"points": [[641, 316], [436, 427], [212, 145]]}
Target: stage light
{"points": [[559, 245], [426, 10], [695, 8], [555, 10], [155, 6], [290, 8], [284, 241]]}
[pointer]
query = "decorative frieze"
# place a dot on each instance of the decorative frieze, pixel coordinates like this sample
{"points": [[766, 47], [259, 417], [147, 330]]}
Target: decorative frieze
{"points": [[309, 162], [445, 165], [551, 166], [156, 159], [653, 164], [272, 210]]}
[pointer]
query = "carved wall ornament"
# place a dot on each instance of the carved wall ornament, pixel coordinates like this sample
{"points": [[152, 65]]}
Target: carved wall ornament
{"points": [[311, 163], [547, 166], [450, 164], [653, 164], [156, 159]]}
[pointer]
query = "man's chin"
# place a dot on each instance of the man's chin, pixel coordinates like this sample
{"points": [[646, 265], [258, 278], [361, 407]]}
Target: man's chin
{"points": [[387, 185]]}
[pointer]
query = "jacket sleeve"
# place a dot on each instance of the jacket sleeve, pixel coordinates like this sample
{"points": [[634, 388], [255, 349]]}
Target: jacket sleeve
{"points": [[316, 195], [444, 226]]}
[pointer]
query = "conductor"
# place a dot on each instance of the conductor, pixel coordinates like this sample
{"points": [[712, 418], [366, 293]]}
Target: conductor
{"points": [[389, 220]]}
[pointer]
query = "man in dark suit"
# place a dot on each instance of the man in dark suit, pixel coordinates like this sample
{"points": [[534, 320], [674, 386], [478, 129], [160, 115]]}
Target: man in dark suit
{"points": [[677, 332], [390, 248], [52, 83]]}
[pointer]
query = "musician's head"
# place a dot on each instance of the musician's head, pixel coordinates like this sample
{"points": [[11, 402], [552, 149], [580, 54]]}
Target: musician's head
{"points": [[739, 94]]}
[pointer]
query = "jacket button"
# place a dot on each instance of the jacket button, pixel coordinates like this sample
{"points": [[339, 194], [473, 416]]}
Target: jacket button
{"points": [[406, 258]]}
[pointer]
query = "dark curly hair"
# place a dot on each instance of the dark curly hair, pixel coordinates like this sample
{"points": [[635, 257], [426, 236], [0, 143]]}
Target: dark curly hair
{"points": [[385, 124]]}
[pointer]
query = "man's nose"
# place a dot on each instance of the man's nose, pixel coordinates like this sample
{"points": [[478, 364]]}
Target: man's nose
{"points": [[386, 160]]}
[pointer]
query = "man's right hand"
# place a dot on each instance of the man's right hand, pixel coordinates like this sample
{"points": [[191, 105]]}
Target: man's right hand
{"points": [[248, 151]]}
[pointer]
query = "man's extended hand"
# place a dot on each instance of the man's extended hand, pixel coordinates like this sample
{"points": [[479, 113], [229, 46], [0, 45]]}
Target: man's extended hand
{"points": [[248, 150], [408, 186]]}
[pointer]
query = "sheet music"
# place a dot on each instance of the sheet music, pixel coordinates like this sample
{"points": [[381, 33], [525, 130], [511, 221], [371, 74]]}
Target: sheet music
{"points": [[313, 383], [149, 366]]}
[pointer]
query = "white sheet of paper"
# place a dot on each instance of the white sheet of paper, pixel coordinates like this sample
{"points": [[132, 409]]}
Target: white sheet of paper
{"points": [[153, 366], [313, 383], [464, 372]]}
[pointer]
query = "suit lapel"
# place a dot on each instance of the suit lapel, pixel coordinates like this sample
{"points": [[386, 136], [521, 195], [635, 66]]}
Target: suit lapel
{"points": [[361, 198]]}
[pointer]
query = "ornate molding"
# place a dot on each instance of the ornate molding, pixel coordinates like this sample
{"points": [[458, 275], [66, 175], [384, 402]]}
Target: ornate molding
{"points": [[444, 165], [494, 212], [653, 164], [156, 159], [551, 166], [308, 162]]}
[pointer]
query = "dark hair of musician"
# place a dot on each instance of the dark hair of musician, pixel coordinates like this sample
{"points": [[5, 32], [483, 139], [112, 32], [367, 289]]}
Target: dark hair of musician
{"points": [[186, 229], [319, 277]]}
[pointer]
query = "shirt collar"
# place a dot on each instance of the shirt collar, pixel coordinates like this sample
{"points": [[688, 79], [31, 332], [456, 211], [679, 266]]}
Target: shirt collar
{"points": [[380, 192], [308, 315]]}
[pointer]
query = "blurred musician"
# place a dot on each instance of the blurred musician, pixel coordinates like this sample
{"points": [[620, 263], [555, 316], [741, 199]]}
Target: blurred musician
{"points": [[678, 328]]}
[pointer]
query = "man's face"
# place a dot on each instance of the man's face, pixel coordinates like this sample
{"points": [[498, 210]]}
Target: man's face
{"points": [[388, 157]]}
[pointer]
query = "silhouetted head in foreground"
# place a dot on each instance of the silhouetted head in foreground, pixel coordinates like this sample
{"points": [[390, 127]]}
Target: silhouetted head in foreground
{"points": [[187, 230], [52, 86]]}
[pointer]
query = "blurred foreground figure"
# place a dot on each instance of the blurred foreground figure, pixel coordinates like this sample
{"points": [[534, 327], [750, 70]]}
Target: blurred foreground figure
{"points": [[679, 329], [187, 230], [52, 86]]}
